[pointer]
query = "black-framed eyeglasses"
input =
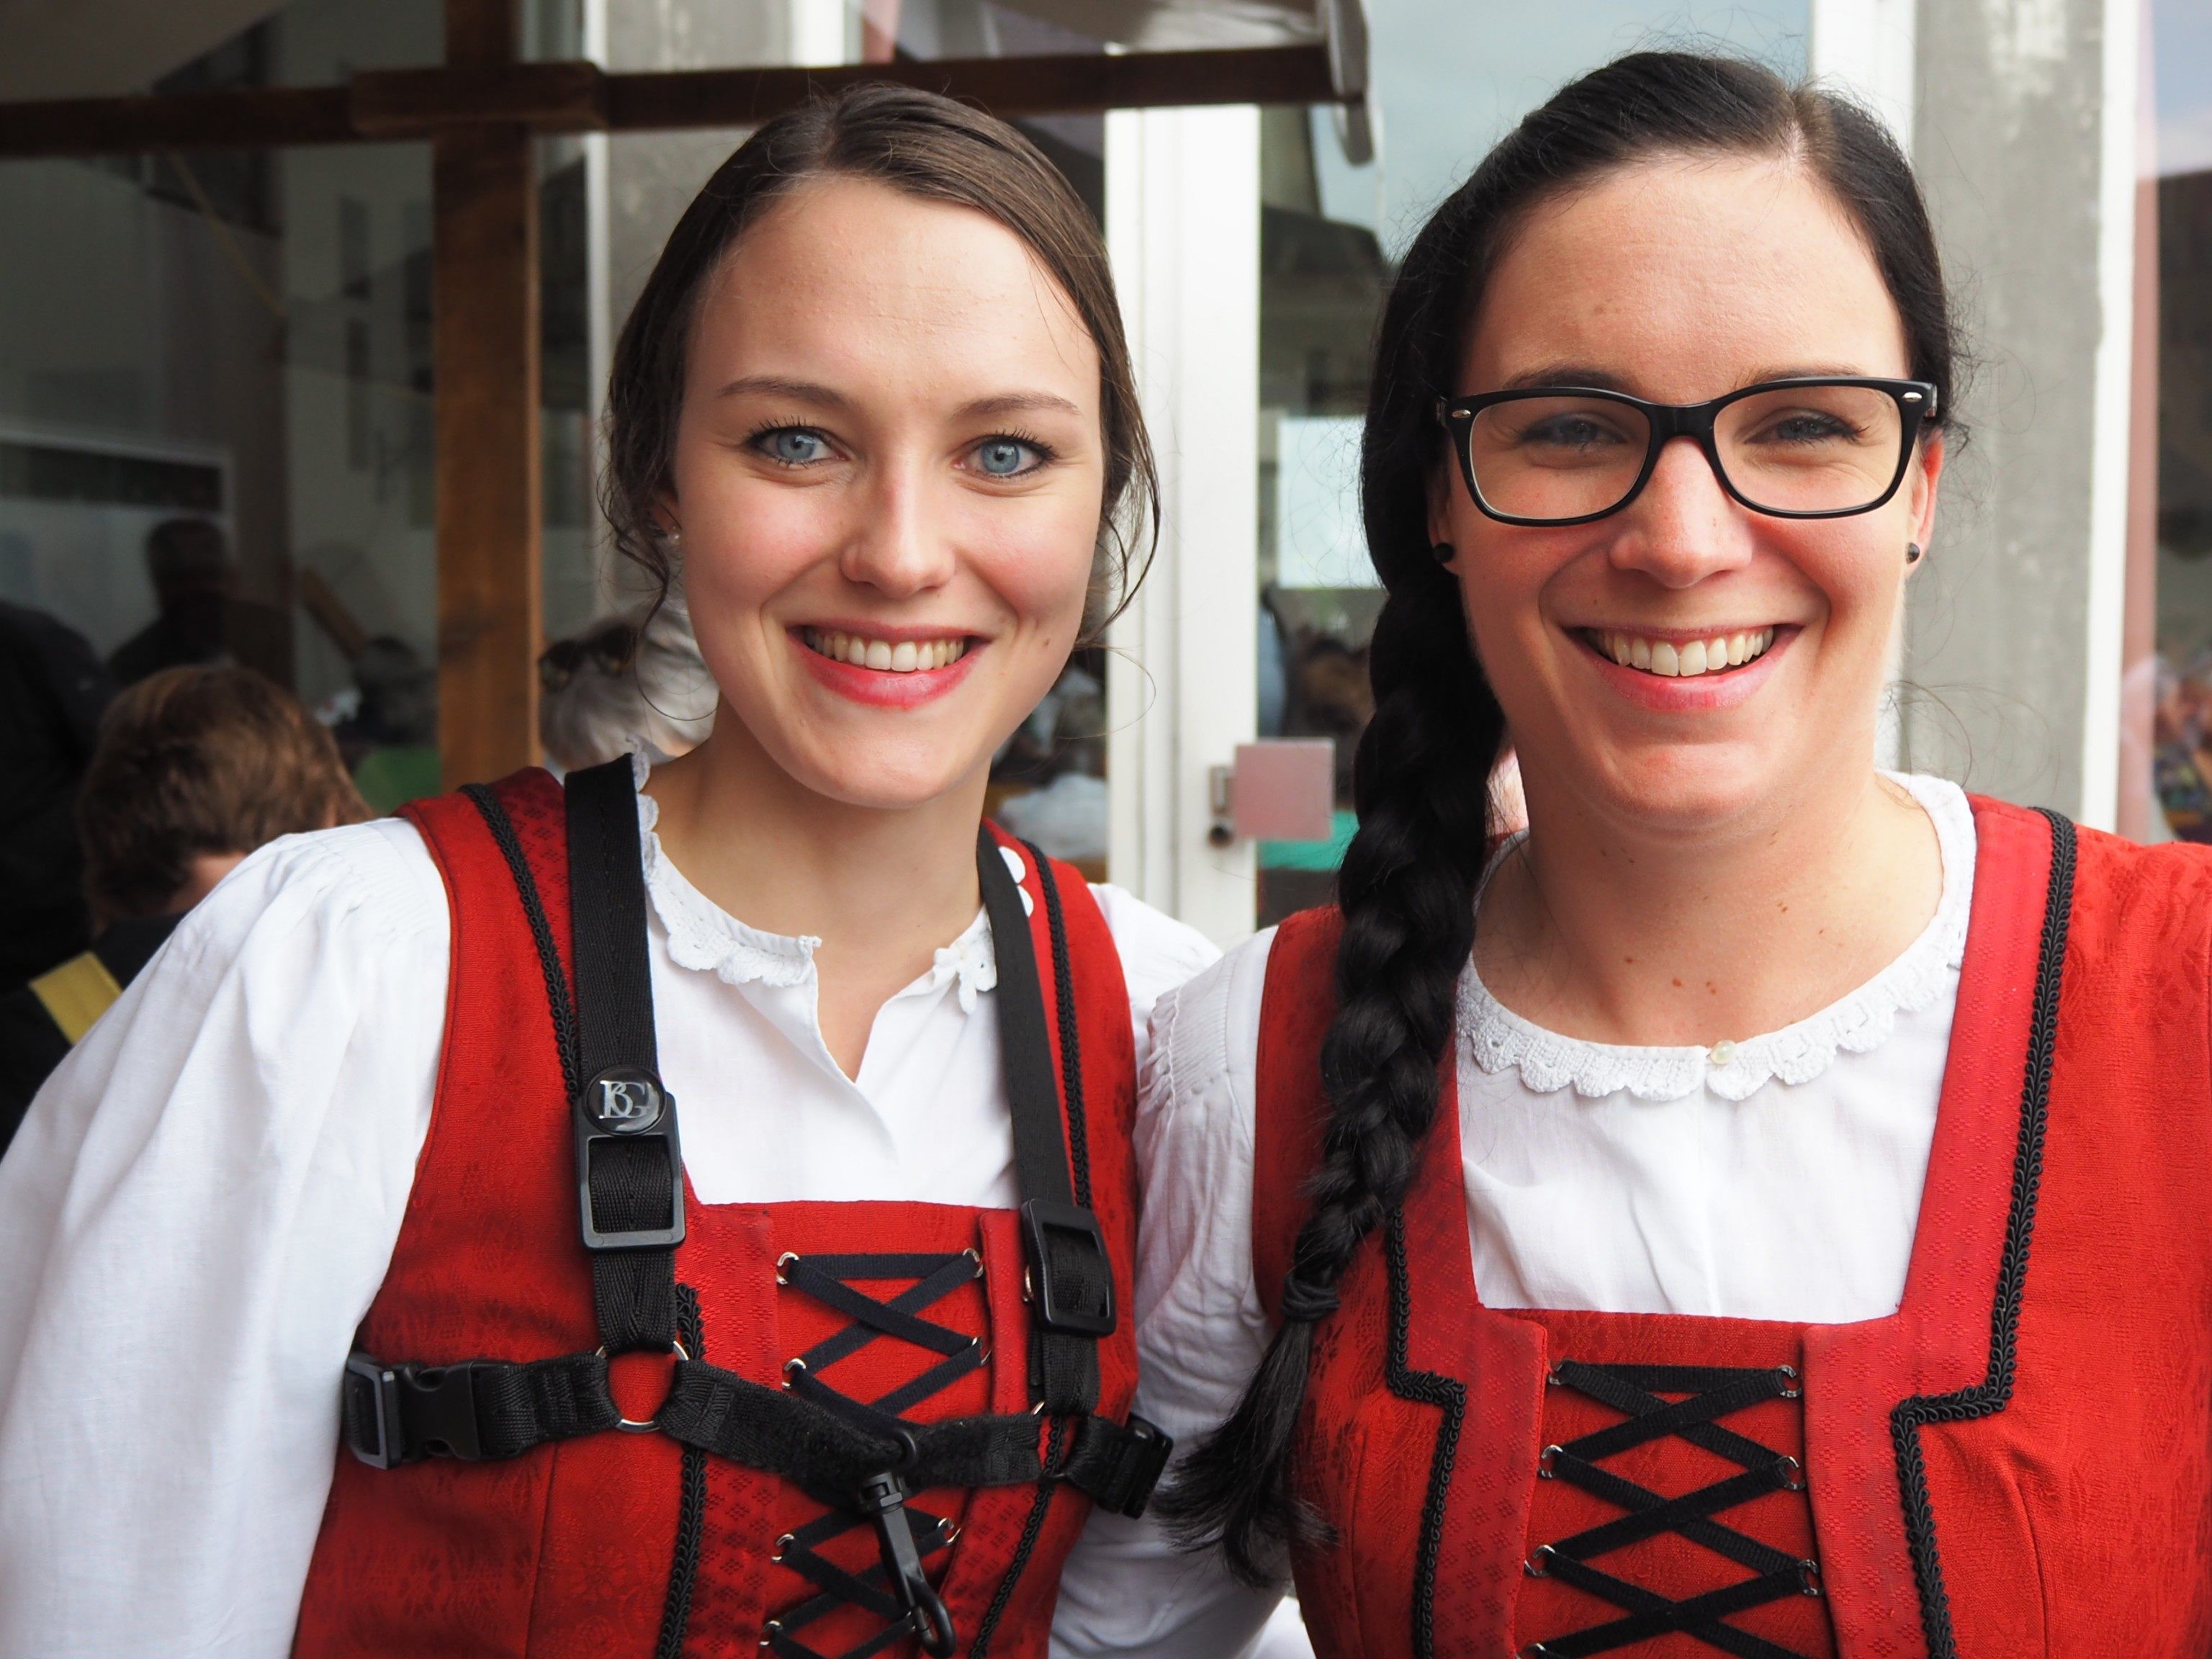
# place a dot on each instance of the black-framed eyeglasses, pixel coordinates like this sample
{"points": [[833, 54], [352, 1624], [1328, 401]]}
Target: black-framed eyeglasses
{"points": [[1821, 448]]}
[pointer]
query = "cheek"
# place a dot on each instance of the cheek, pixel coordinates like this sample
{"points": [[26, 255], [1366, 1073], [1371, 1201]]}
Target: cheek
{"points": [[1036, 555]]}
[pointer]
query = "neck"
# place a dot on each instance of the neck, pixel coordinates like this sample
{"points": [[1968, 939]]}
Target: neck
{"points": [[883, 889], [1616, 931]]}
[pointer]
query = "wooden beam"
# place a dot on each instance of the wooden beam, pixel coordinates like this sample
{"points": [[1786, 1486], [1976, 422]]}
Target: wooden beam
{"points": [[485, 341], [386, 105]]}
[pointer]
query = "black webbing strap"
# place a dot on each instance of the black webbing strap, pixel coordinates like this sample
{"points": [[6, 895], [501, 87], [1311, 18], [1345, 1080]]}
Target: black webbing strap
{"points": [[629, 1179], [779, 1433], [1071, 1276]]}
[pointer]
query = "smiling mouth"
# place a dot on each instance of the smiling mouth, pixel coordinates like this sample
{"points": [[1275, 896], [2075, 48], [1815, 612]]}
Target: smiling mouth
{"points": [[1680, 659], [885, 656]]}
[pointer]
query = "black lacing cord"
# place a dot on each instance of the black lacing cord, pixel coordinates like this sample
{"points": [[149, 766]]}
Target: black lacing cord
{"points": [[541, 929], [1428, 1389], [1994, 1392], [683, 1571], [1071, 1047], [1032, 1529]]}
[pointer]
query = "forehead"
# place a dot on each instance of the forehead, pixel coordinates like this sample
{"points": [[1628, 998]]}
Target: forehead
{"points": [[1684, 277], [849, 279]]}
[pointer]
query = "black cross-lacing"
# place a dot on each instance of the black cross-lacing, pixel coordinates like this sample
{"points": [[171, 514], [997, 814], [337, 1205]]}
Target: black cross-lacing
{"points": [[829, 1280], [1710, 1392]]}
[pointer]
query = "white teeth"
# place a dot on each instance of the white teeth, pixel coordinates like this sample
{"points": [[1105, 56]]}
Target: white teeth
{"points": [[1667, 658], [906, 656]]}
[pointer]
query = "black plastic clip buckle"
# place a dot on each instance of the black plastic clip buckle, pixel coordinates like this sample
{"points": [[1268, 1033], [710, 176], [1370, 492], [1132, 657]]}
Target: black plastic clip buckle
{"points": [[1143, 1460], [883, 1500], [1054, 1306], [627, 1103], [395, 1414]]}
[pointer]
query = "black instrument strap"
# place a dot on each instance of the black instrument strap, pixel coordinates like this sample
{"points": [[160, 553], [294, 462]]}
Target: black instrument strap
{"points": [[1068, 1263], [631, 1185]]}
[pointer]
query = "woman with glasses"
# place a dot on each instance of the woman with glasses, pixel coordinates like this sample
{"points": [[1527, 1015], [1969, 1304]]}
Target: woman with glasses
{"points": [[1760, 1210]]}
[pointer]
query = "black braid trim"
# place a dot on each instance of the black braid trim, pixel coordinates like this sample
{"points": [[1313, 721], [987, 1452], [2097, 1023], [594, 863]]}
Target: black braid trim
{"points": [[1071, 1043], [683, 1571], [1032, 1529], [541, 929], [1994, 1393], [1427, 1388]]}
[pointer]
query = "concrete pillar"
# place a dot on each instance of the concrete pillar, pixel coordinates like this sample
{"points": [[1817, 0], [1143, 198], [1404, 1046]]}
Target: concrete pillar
{"points": [[2024, 140]]}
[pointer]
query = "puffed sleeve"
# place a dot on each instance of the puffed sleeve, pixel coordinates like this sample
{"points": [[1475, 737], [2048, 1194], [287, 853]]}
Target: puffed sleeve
{"points": [[1129, 1589], [193, 1218]]}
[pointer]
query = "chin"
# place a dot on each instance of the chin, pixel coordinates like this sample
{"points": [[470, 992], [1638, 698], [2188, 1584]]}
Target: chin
{"points": [[1687, 789]]}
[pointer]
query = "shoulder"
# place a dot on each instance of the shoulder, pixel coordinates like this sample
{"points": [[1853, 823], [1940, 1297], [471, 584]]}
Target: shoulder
{"points": [[1206, 1035], [375, 882], [1158, 953]]}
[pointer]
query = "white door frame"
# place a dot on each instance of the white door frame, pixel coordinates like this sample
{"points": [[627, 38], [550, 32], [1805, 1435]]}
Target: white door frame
{"points": [[1183, 225]]}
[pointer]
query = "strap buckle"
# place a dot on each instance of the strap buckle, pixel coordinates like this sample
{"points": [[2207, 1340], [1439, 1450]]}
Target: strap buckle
{"points": [[1072, 1294], [395, 1414], [626, 1107], [1116, 1465]]}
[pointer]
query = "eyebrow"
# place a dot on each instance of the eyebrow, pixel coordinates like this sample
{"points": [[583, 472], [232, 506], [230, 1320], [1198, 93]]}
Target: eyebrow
{"points": [[812, 391], [1603, 379]]}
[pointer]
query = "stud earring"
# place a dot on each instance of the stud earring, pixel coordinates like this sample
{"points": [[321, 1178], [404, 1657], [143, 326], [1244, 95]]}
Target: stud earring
{"points": [[675, 536], [1912, 552], [1444, 552]]}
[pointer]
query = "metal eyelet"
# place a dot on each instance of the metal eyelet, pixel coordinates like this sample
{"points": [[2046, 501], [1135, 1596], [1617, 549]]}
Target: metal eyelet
{"points": [[789, 1367], [1029, 1291], [1792, 1473], [1532, 1566], [1535, 1650], [977, 1259], [781, 1544], [1552, 1380], [946, 1531], [1789, 1375], [1808, 1577], [770, 1630], [781, 1261], [652, 1424], [1545, 1459]]}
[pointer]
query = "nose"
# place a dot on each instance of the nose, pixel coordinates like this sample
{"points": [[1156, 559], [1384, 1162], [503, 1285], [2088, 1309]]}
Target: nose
{"points": [[1683, 527], [903, 546]]}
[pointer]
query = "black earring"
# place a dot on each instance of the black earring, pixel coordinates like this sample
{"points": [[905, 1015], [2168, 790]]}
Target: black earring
{"points": [[1444, 552], [1912, 552]]}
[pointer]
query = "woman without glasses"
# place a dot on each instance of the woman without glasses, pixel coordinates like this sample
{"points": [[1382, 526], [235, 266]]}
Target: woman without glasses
{"points": [[386, 1122], [1761, 1209]]}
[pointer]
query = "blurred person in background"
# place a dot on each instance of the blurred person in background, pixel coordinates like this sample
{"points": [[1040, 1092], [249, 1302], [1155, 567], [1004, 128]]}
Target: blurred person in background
{"points": [[189, 563], [52, 688], [194, 768], [634, 676]]}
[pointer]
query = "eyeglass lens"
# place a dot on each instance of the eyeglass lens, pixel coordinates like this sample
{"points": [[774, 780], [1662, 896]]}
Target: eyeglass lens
{"points": [[1796, 449]]}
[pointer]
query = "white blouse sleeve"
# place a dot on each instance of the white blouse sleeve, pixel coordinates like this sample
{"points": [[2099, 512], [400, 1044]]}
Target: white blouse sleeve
{"points": [[194, 1215], [1129, 1588]]}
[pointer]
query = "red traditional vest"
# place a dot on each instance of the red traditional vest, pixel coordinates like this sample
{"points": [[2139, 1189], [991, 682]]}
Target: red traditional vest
{"points": [[2017, 1462], [570, 1547]]}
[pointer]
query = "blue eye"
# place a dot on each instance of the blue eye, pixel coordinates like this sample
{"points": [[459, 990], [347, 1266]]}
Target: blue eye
{"points": [[793, 446], [1005, 457]]}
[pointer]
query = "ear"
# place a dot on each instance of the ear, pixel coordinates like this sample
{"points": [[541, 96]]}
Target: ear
{"points": [[1440, 480], [1922, 480]]}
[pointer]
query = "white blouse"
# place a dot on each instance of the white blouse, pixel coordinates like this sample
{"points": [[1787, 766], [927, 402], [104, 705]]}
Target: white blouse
{"points": [[1775, 1177], [202, 1202]]}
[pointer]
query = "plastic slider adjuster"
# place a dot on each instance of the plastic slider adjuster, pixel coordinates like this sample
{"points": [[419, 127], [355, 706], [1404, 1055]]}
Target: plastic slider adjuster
{"points": [[1056, 1308], [394, 1414], [627, 1104]]}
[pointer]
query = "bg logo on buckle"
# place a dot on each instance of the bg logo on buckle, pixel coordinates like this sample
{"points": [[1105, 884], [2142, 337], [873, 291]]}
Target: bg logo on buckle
{"points": [[625, 1101]]}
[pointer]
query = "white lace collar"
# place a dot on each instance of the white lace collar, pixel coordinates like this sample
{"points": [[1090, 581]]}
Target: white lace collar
{"points": [[1497, 1039], [703, 936]]}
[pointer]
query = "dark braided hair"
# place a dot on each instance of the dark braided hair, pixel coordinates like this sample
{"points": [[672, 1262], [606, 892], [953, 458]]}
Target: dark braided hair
{"points": [[1421, 778]]}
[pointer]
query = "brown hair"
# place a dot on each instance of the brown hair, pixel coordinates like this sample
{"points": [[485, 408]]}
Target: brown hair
{"points": [[921, 145], [200, 760]]}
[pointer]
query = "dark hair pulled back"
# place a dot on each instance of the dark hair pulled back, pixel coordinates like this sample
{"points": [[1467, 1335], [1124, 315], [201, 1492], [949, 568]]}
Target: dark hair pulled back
{"points": [[1421, 778], [921, 145]]}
